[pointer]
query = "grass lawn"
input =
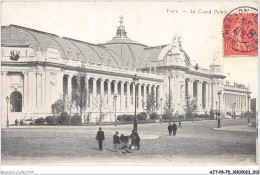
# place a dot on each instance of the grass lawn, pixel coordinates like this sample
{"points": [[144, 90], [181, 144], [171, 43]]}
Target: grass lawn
{"points": [[196, 143]]}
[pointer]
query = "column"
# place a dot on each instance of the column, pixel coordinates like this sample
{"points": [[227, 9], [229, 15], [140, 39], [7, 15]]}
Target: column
{"points": [[248, 104], [134, 86], [94, 92], [149, 89], [58, 85], [115, 87], [206, 96], [44, 91], [245, 99], [87, 91], [122, 95], [25, 91], [41, 89], [4, 84], [228, 103], [4, 95], [190, 88], [170, 81], [182, 91], [134, 95], [32, 92], [224, 101], [37, 88], [139, 96], [209, 95], [214, 95], [109, 100], [128, 96], [116, 92], [159, 94], [199, 95], [101, 88], [145, 97], [69, 86]]}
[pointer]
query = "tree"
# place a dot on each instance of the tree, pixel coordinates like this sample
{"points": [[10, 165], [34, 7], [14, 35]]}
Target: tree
{"points": [[190, 106], [79, 95], [151, 102], [253, 106], [57, 107], [99, 104], [69, 103], [168, 107]]}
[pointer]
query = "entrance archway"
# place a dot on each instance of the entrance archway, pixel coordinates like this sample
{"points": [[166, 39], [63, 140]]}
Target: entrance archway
{"points": [[16, 101]]}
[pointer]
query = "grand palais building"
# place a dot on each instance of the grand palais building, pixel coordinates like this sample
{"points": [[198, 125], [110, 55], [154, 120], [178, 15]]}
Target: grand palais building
{"points": [[39, 68]]}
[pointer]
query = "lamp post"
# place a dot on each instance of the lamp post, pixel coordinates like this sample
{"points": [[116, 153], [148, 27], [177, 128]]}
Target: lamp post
{"points": [[234, 111], [248, 97], [115, 98], [219, 93], [135, 79], [216, 110], [7, 121], [241, 112], [161, 110]]}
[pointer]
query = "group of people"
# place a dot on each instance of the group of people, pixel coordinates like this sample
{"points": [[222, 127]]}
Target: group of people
{"points": [[172, 128], [120, 141]]}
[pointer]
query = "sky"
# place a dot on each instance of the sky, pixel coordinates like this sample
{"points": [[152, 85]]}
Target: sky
{"points": [[152, 23]]}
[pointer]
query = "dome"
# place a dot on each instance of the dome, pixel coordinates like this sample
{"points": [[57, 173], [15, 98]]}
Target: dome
{"points": [[171, 54], [127, 50]]}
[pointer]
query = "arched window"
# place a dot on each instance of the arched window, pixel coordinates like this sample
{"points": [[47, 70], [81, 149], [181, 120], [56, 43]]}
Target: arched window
{"points": [[16, 101]]}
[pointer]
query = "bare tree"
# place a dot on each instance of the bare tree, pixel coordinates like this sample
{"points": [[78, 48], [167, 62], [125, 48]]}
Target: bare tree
{"points": [[190, 106], [151, 103], [168, 107], [79, 95], [69, 103], [99, 103]]}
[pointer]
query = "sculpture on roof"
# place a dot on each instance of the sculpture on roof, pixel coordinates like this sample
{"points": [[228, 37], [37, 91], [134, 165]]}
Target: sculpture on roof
{"points": [[121, 33], [176, 42]]}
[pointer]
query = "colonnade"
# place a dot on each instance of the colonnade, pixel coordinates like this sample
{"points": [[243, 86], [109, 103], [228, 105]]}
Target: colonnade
{"points": [[236, 101], [103, 90], [203, 92]]}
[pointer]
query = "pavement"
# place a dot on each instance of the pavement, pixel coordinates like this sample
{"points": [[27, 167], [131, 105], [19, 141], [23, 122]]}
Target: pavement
{"points": [[238, 128], [196, 143]]}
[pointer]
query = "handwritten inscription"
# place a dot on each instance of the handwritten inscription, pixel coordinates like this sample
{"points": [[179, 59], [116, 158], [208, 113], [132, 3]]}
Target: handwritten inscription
{"points": [[197, 11]]}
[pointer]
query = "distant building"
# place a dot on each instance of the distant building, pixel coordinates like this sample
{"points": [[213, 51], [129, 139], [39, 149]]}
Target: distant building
{"points": [[39, 68]]}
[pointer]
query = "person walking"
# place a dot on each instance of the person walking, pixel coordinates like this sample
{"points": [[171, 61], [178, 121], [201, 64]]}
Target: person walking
{"points": [[100, 138], [137, 140], [174, 129], [170, 128], [116, 141], [133, 140], [179, 126]]}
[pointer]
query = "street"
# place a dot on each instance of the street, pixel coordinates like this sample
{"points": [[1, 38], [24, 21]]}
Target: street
{"points": [[196, 143]]}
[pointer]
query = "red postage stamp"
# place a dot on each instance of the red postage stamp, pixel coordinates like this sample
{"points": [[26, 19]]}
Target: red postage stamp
{"points": [[240, 32]]}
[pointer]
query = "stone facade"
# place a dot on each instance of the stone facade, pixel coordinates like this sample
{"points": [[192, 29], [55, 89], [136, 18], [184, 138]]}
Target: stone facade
{"points": [[39, 68]]}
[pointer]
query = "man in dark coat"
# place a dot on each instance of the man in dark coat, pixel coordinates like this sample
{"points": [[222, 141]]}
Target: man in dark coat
{"points": [[174, 128], [116, 141], [170, 129], [100, 138], [135, 140]]}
